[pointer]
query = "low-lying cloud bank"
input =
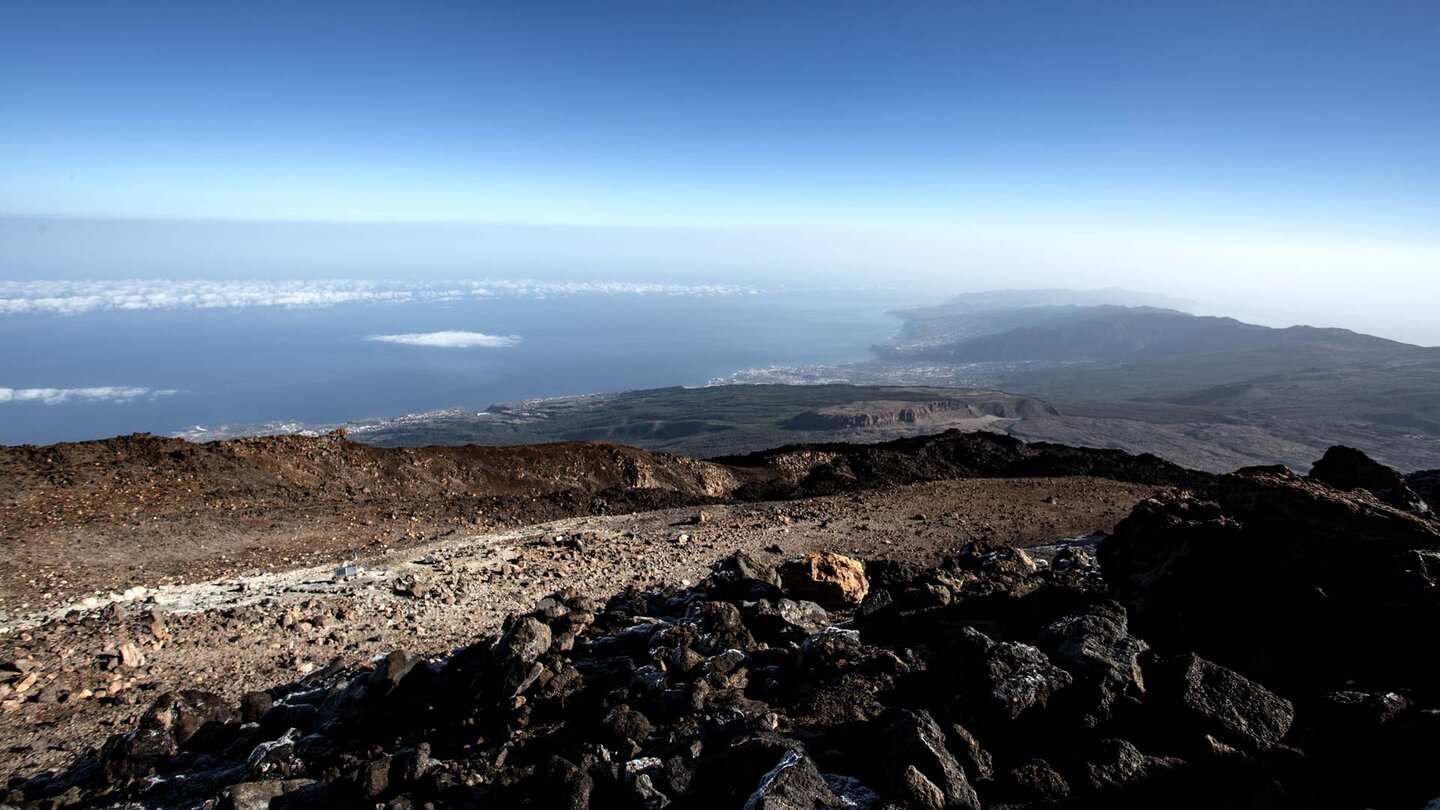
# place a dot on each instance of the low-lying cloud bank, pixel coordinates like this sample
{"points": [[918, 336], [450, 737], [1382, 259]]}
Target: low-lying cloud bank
{"points": [[58, 396], [75, 297], [450, 340]]}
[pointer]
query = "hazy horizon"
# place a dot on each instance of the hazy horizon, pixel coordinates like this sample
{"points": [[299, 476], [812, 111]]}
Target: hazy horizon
{"points": [[1374, 289]]}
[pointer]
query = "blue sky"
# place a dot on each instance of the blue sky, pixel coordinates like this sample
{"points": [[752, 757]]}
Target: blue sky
{"points": [[1272, 159], [1303, 122]]}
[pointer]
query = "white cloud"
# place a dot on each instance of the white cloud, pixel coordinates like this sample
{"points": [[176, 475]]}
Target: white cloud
{"points": [[75, 297], [57, 396], [450, 340]]}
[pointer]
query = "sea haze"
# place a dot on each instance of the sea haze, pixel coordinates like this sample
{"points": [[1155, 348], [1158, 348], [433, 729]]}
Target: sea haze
{"points": [[86, 369]]}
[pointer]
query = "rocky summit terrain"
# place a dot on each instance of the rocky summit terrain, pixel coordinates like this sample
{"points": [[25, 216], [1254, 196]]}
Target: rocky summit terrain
{"points": [[96, 517], [928, 623]]}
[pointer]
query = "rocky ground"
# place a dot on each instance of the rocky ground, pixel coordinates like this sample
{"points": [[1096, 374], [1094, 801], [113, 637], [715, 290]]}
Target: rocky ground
{"points": [[871, 637], [102, 516], [426, 585], [1259, 645]]}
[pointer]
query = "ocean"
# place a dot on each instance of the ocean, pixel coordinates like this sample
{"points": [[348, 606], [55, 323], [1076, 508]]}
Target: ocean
{"points": [[107, 361]]}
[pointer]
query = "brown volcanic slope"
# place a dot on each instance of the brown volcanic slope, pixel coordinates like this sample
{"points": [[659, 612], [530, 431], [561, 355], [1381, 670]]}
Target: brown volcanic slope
{"points": [[88, 516], [246, 532], [106, 515]]}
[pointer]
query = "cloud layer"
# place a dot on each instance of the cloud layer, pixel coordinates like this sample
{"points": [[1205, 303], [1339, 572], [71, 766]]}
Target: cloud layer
{"points": [[58, 396], [450, 340], [75, 297]]}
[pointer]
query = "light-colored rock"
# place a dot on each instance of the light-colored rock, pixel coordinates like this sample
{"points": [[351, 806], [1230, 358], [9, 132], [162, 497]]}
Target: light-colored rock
{"points": [[131, 656], [833, 581]]}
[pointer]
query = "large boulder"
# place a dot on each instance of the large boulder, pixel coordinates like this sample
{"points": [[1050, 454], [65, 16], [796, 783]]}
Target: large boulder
{"points": [[742, 576], [795, 784], [518, 651], [1207, 699], [1287, 580], [833, 581], [1000, 681], [1426, 484], [1096, 647], [784, 620], [1346, 468]]}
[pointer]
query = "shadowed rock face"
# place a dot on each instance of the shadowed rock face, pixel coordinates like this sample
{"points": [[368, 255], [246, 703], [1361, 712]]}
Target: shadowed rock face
{"points": [[331, 468], [1346, 468], [1426, 484], [1265, 648], [1283, 578], [822, 469]]}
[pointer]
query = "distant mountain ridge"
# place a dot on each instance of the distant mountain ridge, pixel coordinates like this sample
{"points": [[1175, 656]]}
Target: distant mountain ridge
{"points": [[1108, 333], [1093, 368]]}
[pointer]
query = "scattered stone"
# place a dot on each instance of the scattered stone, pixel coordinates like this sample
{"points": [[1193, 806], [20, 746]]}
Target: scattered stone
{"points": [[741, 576], [1036, 781], [130, 655], [156, 625], [517, 652], [784, 619], [745, 691], [259, 795], [411, 586]]}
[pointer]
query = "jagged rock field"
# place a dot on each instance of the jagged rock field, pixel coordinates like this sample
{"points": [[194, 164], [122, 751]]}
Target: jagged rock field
{"points": [[1252, 640]]}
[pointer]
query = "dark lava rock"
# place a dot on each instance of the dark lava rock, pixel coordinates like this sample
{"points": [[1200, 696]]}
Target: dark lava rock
{"points": [[741, 576], [1426, 484], [1209, 699], [1285, 580], [951, 454], [254, 706], [195, 718], [1346, 468], [1035, 781], [1096, 647], [259, 795], [976, 760], [1116, 763], [517, 654], [784, 620], [1006, 679], [1262, 647], [627, 727], [722, 627], [914, 741], [794, 784]]}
